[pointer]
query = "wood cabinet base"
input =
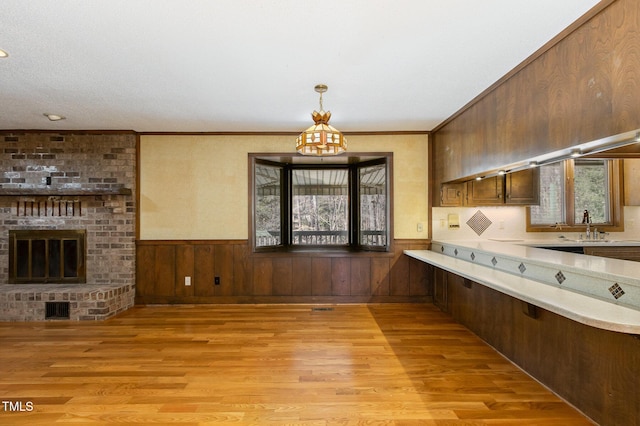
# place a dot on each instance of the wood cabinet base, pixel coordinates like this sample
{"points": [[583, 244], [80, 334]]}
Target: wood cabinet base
{"points": [[595, 370]]}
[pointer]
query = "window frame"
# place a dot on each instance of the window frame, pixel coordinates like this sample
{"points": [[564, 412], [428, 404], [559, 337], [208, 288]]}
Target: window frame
{"points": [[351, 161], [616, 208]]}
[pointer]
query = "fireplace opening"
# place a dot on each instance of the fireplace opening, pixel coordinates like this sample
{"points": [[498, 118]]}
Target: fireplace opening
{"points": [[47, 256]]}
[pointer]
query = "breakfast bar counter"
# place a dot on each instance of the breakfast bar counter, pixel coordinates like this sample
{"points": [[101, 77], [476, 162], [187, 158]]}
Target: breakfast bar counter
{"points": [[570, 320], [582, 307]]}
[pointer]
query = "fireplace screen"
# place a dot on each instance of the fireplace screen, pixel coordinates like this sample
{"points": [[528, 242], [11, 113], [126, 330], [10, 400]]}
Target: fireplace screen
{"points": [[47, 256]]}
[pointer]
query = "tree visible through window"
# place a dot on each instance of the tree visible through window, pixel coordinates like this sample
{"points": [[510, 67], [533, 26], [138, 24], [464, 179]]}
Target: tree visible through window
{"points": [[321, 205], [267, 199], [553, 207], [568, 188], [373, 205], [591, 192]]}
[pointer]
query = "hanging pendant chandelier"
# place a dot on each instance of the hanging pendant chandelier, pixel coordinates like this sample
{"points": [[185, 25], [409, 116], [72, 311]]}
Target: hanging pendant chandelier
{"points": [[321, 138]]}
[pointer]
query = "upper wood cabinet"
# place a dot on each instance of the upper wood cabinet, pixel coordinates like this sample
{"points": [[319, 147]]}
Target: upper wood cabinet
{"points": [[631, 181], [545, 104], [523, 187], [485, 192], [517, 188], [452, 194]]}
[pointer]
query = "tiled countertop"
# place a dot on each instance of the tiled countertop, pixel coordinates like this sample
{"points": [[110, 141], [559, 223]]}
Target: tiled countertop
{"points": [[528, 251], [596, 291]]}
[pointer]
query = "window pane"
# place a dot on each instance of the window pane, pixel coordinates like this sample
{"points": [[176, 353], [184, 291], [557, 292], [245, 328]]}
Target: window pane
{"points": [[373, 205], [552, 195], [319, 207], [268, 205], [591, 190]]}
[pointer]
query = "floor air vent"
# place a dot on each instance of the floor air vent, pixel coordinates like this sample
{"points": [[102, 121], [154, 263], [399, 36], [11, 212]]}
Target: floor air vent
{"points": [[56, 310], [322, 309]]}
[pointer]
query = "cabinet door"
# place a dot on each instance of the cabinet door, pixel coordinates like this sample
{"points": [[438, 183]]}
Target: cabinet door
{"points": [[451, 194], [523, 187], [631, 182], [485, 192], [440, 289], [625, 253]]}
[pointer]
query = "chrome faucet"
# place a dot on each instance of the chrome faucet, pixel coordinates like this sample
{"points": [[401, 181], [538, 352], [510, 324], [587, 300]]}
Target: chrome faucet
{"points": [[587, 221]]}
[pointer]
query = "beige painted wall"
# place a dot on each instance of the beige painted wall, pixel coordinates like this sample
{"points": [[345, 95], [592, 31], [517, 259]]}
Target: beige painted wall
{"points": [[196, 187]]}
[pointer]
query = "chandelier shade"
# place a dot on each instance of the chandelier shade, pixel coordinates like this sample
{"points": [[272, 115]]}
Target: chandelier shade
{"points": [[321, 138]]}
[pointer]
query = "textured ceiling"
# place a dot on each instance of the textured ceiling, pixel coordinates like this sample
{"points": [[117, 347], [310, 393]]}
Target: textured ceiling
{"points": [[241, 65]]}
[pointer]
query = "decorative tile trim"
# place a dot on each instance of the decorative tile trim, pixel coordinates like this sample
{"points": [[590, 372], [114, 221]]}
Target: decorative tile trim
{"points": [[616, 291], [601, 287]]}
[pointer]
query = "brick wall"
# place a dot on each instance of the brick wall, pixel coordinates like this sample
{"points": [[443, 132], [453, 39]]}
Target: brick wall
{"points": [[58, 167]]}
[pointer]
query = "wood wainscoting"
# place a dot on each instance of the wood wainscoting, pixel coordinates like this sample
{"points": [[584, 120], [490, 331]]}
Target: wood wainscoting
{"points": [[226, 271]]}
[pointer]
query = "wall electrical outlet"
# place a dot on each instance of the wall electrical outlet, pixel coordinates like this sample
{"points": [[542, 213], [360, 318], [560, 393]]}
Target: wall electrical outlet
{"points": [[187, 281], [420, 228]]}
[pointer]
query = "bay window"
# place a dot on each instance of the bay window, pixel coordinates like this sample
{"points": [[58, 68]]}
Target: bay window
{"points": [[321, 203]]}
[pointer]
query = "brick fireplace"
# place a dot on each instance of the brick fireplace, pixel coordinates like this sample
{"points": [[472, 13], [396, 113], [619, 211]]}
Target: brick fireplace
{"points": [[71, 182]]}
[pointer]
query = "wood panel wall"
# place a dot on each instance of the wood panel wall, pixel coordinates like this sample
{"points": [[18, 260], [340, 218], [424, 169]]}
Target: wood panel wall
{"points": [[582, 88], [245, 277], [593, 369]]}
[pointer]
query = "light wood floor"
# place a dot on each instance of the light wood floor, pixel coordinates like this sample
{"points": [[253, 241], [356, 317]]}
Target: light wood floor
{"points": [[276, 364]]}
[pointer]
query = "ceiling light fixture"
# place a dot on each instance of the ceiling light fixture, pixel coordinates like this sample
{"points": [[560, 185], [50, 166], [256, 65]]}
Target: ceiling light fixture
{"points": [[321, 138], [54, 117], [3, 54]]}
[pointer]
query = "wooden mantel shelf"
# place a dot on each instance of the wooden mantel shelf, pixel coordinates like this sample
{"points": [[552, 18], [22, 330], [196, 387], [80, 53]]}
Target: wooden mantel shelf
{"points": [[61, 192]]}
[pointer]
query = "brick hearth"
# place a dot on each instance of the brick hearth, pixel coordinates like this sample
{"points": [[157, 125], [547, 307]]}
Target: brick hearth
{"points": [[26, 302]]}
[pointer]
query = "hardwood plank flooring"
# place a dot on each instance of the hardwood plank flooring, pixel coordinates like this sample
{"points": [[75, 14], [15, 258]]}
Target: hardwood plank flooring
{"points": [[404, 364]]}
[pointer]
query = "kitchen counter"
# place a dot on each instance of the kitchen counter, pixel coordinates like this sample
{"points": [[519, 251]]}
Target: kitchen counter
{"points": [[530, 251], [596, 291]]}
